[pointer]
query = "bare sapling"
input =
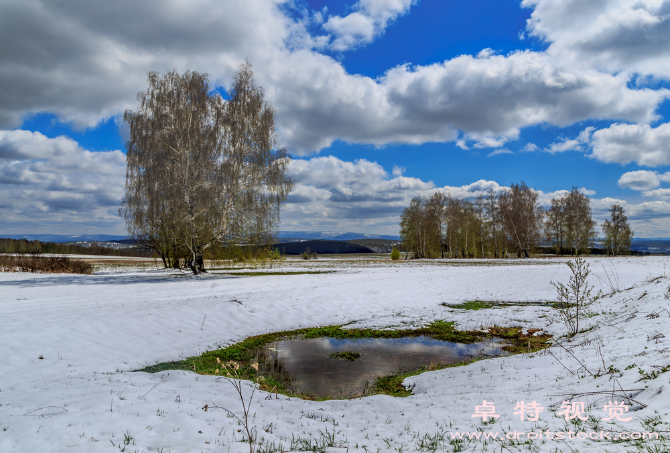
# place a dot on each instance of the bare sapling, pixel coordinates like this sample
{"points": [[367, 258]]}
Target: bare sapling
{"points": [[575, 299], [233, 369]]}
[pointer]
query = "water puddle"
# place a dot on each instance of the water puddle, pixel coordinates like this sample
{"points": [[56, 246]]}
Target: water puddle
{"points": [[314, 367]]}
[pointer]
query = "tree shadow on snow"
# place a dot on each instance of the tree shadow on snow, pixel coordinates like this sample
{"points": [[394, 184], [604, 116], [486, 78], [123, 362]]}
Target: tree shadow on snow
{"points": [[37, 280]]}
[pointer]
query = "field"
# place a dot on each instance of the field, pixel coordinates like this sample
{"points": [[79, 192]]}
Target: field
{"points": [[71, 343]]}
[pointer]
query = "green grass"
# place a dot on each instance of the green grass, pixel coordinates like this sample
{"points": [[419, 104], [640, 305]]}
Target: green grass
{"points": [[483, 304], [471, 305], [348, 355]]}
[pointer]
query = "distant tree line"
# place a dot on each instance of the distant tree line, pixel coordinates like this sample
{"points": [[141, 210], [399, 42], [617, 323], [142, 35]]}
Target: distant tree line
{"points": [[509, 221], [25, 247]]}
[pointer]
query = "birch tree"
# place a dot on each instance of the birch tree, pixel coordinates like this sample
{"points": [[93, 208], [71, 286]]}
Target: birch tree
{"points": [[618, 234], [521, 217], [202, 170]]}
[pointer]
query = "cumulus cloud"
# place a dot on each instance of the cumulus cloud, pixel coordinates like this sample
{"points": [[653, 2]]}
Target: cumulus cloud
{"points": [[53, 185], [369, 20], [499, 151], [613, 36], [640, 143], [332, 194], [530, 148], [577, 144], [639, 180], [657, 193], [488, 99], [86, 64]]}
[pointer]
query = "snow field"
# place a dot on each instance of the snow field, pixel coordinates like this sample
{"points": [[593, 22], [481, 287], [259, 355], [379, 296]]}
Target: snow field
{"points": [[93, 330]]}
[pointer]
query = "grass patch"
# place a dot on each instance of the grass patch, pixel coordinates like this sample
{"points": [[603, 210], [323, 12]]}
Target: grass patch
{"points": [[347, 355], [471, 305], [483, 304], [242, 355]]}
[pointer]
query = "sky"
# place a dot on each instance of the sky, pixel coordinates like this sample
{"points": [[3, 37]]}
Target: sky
{"points": [[378, 101]]}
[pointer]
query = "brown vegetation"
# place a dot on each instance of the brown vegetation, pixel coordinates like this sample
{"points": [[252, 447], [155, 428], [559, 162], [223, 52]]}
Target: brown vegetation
{"points": [[44, 264]]}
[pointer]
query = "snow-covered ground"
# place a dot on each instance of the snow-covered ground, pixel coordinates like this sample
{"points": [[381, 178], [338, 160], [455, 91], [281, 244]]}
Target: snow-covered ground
{"points": [[68, 345]]}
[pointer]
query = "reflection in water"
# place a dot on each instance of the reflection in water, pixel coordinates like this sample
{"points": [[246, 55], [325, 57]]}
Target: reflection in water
{"points": [[307, 365]]}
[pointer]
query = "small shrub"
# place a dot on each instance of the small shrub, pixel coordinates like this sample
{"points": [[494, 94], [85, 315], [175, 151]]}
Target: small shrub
{"points": [[276, 255], [575, 299], [395, 253], [308, 254]]}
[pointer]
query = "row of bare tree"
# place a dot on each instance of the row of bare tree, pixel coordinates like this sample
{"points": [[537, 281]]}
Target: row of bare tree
{"points": [[506, 222]]}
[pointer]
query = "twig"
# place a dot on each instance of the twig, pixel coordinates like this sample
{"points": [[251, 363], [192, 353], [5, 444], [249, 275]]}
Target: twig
{"points": [[157, 384], [45, 407], [616, 381], [568, 445], [656, 314], [611, 393], [602, 358], [571, 372], [203, 322], [570, 352]]}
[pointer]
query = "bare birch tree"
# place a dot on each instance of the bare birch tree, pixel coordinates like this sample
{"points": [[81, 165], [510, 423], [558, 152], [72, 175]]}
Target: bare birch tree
{"points": [[202, 170], [521, 217], [618, 234], [555, 224]]}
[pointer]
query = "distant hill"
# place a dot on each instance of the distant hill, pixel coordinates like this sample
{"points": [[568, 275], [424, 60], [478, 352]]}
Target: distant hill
{"points": [[377, 245], [321, 247], [291, 235], [332, 236]]}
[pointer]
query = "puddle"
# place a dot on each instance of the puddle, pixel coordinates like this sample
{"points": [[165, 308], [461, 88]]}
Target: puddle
{"points": [[309, 368]]}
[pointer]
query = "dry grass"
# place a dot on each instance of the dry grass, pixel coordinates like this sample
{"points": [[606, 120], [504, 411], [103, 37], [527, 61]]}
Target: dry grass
{"points": [[46, 265]]}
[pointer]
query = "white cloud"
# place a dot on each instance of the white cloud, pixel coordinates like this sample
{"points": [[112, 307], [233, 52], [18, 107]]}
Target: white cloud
{"points": [[530, 148], [461, 144], [613, 36], [499, 151], [469, 191], [53, 185], [577, 144], [658, 193], [369, 20], [640, 143], [639, 180], [336, 195]]}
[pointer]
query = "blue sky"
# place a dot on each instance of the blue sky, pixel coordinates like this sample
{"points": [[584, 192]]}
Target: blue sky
{"points": [[377, 101]]}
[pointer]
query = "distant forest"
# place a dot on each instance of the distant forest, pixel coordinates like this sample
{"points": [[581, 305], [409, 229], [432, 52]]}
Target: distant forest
{"points": [[25, 247]]}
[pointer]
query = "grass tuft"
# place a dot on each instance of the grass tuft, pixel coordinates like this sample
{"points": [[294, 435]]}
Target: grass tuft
{"points": [[347, 355]]}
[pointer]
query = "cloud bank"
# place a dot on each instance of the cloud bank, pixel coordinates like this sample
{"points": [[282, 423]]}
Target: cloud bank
{"points": [[87, 64]]}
